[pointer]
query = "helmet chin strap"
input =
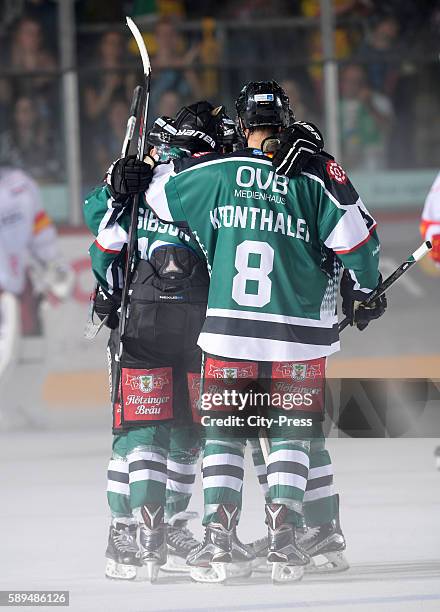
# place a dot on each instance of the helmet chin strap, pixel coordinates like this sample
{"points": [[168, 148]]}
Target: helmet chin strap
{"points": [[241, 128]]}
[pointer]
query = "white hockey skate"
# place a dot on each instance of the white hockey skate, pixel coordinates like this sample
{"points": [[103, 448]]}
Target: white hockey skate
{"points": [[180, 542], [123, 554], [284, 553], [210, 562], [153, 539]]}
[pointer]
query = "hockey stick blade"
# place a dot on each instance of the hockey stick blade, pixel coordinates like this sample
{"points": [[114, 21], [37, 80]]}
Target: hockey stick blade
{"points": [[141, 46], [91, 329], [386, 284]]}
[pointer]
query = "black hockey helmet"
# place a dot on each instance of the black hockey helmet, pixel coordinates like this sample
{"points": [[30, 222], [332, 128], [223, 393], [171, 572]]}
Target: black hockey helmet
{"points": [[227, 134], [161, 132], [161, 136], [263, 104], [197, 127]]}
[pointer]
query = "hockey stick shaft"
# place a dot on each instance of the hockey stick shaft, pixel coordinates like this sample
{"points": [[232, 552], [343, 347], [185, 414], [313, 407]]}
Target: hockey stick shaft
{"points": [[392, 278], [92, 330], [132, 119], [132, 232]]}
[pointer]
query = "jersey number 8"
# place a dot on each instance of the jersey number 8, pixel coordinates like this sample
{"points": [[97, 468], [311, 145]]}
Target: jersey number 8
{"points": [[252, 286]]}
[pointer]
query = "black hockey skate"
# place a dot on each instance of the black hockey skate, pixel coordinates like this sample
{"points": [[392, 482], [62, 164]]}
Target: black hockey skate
{"points": [[284, 553], [180, 541], [243, 557], [153, 539], [123, 554], [326, 540], [210, 560]]}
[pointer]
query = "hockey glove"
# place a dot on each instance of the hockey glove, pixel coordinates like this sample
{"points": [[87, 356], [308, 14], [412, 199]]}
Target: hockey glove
{"points": [[128, 176], [359, 314], [104, 307], [297, 144]]}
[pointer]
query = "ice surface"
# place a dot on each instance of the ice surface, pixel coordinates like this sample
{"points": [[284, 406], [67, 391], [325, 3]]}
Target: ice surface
{"points": [[54, 524]]}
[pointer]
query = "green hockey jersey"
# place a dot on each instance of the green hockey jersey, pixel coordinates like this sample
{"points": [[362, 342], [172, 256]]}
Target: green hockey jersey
{"points": [[274, 249], [110, 225]]}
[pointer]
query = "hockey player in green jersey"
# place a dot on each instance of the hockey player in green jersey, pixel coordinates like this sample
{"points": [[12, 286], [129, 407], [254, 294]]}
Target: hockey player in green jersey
{"points": [[274, 247], [153, 466]]}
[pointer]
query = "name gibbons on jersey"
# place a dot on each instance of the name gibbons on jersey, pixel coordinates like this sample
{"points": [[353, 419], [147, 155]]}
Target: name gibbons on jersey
{"points": [[148, 221], [259, 219]]}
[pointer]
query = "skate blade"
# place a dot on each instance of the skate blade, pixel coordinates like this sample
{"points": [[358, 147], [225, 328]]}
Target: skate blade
{"points": [[331, 562], [261, 566], [152, 570], [175, 565], [216, 573], [118, 571], [239, 570], [286, 574]]}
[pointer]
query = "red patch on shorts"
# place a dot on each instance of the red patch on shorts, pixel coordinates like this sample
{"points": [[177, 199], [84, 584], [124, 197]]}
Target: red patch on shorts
{"points": [[221, 376], [300, 383], [194, 395], [117, 416], [336, 172], [147, 395]]}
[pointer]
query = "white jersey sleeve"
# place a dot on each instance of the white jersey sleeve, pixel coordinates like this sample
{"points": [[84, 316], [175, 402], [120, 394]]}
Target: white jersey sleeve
{"points": [[430, 224], [26, 231]]}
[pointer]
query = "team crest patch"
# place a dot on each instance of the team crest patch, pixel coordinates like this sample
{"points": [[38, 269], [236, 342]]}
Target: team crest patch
{"points": [[336, 172], [146, 395], [146, 383], [229, 374], [305, 381], [297, 371]]}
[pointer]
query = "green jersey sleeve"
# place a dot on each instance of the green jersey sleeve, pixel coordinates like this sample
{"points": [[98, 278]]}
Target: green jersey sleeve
{"points": [[346, 227]]}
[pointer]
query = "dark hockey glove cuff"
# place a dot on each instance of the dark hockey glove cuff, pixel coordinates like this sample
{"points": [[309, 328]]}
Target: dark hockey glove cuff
{"points": [[359, 314], [128, 176], [106, 307], [297, 144]]}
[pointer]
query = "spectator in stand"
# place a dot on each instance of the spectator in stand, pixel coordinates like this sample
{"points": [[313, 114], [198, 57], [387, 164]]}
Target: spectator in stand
{"points": [[5, 103], [108, 144], [312, 9], [28, 54], [366, 117], [171, 66], [380, 52], [304, 111], [112, 81], [161, 8], [169, 103], [29, 145]]}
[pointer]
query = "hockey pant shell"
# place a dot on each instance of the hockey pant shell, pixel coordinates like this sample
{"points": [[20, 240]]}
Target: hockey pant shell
{"points": [[137, 467], [144, 359]]}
